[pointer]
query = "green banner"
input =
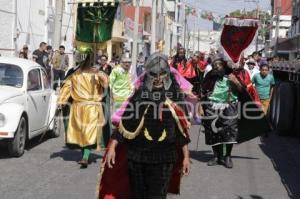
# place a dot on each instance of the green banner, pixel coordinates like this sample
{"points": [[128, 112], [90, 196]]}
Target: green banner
{"points": [[95, 23]]}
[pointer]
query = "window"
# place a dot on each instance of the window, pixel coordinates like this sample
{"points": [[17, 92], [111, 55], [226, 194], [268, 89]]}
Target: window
{"points": [[45, 78], [34, 80], [11, 75]]}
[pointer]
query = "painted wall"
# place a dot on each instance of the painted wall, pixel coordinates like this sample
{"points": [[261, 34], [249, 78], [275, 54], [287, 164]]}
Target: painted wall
{"points": [[6, 24], [35, 22], [284, 5]]}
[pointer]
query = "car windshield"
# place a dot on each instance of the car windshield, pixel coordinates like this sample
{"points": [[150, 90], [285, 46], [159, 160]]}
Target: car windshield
{"points": [[11, 75]]}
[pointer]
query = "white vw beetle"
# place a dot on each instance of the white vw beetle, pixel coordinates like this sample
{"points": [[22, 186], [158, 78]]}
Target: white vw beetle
{"points": [[27, 103]]}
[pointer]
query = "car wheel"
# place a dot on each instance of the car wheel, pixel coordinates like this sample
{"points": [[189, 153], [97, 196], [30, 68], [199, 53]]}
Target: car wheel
{"points": [[16, 145], [285, 111], [273, 106], [55, 132]]}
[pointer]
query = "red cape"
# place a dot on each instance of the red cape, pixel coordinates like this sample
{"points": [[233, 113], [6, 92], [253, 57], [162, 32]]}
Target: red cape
{"points": [[187, 70], [244, 77]]}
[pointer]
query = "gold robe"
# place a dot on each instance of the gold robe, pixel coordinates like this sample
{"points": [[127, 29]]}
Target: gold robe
{"points": [[86, 117]]}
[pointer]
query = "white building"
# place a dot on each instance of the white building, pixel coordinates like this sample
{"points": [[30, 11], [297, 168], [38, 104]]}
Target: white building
{"points": [[203, 41], [31, 22], [167, 31], [284, 26]]}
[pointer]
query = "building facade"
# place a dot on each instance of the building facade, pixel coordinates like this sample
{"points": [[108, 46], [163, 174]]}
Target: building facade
{"points": [[281, 34], [31, 22]]}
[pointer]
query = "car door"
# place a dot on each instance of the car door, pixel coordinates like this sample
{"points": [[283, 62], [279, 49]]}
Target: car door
{"points": [[35, 100], [47, 96]]}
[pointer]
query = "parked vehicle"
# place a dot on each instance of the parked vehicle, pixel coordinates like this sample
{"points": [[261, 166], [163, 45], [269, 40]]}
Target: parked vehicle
{"points": [[284, 109], [27, 103]]}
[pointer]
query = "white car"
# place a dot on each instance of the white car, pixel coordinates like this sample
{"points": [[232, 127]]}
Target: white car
{"points": [[27, 103]]}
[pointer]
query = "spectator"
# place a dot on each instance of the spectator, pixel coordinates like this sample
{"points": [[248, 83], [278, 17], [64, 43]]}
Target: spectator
{"points": [[140, 65], [208, 66], [250, 67], [264, 83], [104, 66], [48, 62], [22, 55], [40, 55], [179, 59], [202, 63], [60, 66], [276, 58], [257, 57], [50, 52], [120, 83], [24, 52]]}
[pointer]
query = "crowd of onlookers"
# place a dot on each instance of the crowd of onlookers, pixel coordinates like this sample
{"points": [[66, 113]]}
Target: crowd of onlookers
{"points": [[196, 67], [193, 68], [57, 62]]}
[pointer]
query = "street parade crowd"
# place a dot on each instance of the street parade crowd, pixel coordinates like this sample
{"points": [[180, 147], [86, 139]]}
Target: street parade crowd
{"points": [[142, 114]]}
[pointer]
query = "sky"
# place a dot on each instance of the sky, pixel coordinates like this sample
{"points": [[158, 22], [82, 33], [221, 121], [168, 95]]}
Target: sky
{"points": [[222, 7]]}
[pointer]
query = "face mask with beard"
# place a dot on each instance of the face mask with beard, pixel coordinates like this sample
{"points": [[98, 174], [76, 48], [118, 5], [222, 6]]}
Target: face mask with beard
{"points": [[218, 69], [181, 57]]}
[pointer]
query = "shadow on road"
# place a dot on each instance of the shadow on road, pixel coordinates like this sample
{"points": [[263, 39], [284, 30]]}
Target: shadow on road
{"points": [[284, 153], [252, 197], [3, 152], [73, 155], [37, 141], [205, 156], [30, 144]]}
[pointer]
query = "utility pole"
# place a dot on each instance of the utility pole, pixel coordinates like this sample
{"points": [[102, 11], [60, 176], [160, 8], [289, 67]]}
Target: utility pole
{"points": [[257, 16], [198, 39], [58, 23], [184, 35], [15, 31], [175, 26], [277, 29], [136, 3], [153, 26]]}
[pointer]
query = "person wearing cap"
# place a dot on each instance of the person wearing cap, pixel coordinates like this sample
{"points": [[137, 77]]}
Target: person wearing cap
{"points": [[120, 82], [226, 93], [251, 67], [220, 93]]}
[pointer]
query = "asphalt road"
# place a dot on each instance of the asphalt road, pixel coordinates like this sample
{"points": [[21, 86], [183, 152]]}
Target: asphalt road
{"points": [[262, 170]]}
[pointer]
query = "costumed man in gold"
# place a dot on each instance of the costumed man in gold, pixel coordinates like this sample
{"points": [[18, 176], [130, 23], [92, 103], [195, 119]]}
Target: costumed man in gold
{"points": [[85, 86]]}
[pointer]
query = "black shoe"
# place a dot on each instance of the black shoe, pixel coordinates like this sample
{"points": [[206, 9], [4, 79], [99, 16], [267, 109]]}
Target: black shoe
{"points": [[213, 162], [228, 162], [84, 163]]}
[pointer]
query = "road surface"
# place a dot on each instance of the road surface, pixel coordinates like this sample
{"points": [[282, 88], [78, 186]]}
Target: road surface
{"points": [[268, 169]]}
